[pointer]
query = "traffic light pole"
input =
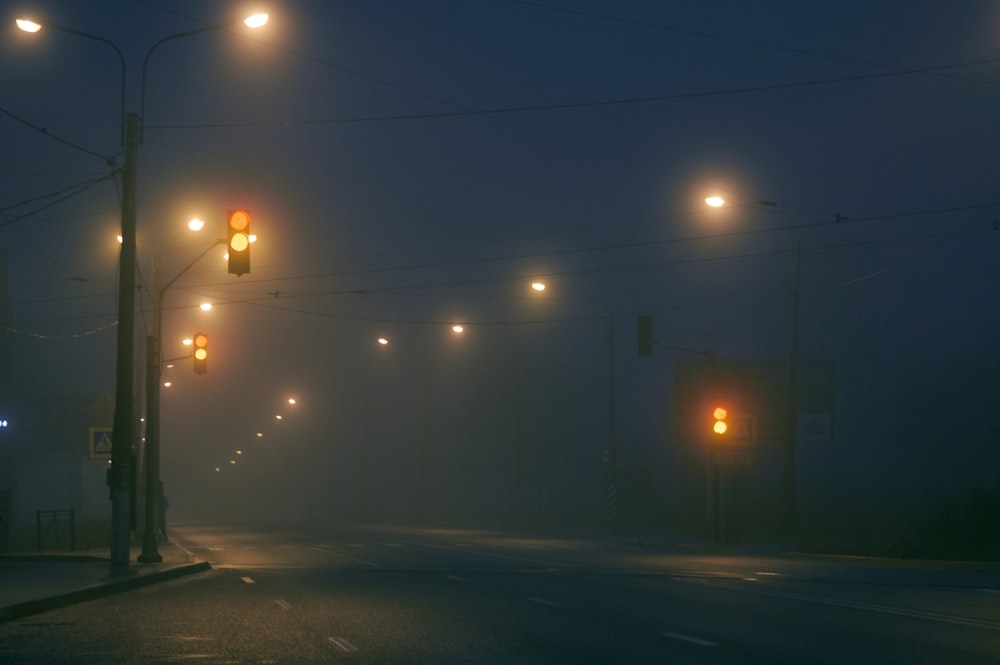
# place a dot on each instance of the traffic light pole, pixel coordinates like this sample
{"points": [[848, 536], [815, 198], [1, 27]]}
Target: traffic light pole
{"points": [[611, 451], [154, 367], [791, 424]]}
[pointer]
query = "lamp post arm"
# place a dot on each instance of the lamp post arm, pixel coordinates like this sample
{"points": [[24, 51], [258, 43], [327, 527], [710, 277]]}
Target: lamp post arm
{"points": [[145, 65], [121, 60], [163, 289]]}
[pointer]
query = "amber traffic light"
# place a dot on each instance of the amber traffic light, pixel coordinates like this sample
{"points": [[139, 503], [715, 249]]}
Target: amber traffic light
{"points": [[238, 241], [719, 415], [200, 353]]}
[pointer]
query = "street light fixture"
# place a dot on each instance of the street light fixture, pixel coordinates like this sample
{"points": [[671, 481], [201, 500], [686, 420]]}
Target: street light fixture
{"points": [[130, 127]]}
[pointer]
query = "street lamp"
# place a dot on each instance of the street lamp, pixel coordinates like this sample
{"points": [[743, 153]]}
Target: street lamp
{"points": [[122, 432]]}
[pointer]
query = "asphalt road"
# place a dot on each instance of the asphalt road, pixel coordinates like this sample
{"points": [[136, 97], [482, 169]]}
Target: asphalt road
{"points": [[399, 595]]}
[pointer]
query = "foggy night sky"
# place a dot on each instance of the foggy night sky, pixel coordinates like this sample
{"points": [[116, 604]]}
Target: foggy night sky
{"points": [[408, 165]]}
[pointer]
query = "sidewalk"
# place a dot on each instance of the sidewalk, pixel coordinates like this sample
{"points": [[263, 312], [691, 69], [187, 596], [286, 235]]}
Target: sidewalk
{"points": [[31, 584]]}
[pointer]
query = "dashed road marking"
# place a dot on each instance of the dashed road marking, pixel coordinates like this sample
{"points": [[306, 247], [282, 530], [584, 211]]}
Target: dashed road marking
{"points": [[283, 604], [688, 638], [248, 580], [456, 578], [342, 644], [543, 601]]}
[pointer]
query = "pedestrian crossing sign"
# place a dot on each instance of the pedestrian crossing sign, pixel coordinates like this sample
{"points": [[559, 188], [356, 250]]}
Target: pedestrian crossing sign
{"points": [[99, 443]]}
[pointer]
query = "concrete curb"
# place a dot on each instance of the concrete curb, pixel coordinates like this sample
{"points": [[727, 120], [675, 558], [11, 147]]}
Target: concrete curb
{"points": [[29, 607]]}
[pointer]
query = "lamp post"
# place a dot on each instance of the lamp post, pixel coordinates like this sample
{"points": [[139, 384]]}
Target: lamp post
{"points": [[790, 425], [122, 429]]}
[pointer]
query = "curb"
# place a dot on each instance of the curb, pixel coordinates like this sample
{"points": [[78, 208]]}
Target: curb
{"points": [[29, 607]]}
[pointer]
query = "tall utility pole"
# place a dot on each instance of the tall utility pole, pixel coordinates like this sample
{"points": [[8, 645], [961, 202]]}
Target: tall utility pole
{"points": [[611, 453], [122, 461], [791, 423]]}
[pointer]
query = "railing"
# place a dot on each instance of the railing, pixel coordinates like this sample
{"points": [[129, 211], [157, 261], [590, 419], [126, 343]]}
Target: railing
{"points": [[52, 526]]}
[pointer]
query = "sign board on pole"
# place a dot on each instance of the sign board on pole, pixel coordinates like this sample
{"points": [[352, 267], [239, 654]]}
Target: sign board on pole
{"points": [[99, 443]]}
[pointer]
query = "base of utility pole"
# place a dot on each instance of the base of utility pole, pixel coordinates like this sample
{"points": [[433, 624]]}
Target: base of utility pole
{"points": [[150, 553], [121, 547]]}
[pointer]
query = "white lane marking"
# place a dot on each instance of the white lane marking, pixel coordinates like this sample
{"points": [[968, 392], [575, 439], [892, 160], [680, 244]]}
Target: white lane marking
{"points": [[990, 590], [190, 656], [216, 549], [342, 644], [248, 580], [543, 601], [689, 638], [325, 550], [283, 604], [455, 578], [393, 545]]}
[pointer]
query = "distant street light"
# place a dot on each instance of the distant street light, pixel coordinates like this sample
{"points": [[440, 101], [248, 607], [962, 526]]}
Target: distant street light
{"points": [[458, 329], [715, 201], [538, 286]]}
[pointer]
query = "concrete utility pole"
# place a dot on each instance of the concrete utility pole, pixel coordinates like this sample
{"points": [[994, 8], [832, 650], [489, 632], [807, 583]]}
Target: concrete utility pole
{"points": [[122, 463]]}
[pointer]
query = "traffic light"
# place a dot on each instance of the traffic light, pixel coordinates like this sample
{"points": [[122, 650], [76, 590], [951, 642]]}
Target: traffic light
{"points": [[719, 414], [200, 353], [238, 241], [645, 329]]}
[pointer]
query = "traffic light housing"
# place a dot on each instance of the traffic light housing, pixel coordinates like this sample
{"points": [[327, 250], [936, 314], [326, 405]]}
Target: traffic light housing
{"points": [[238, 241], [645, 334], [719, 415], [200, 353]]}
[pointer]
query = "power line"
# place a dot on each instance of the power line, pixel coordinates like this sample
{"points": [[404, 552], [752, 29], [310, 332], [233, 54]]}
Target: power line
{"points": [[618, 101], [60, 196], [45, 132], [736, 40]]}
